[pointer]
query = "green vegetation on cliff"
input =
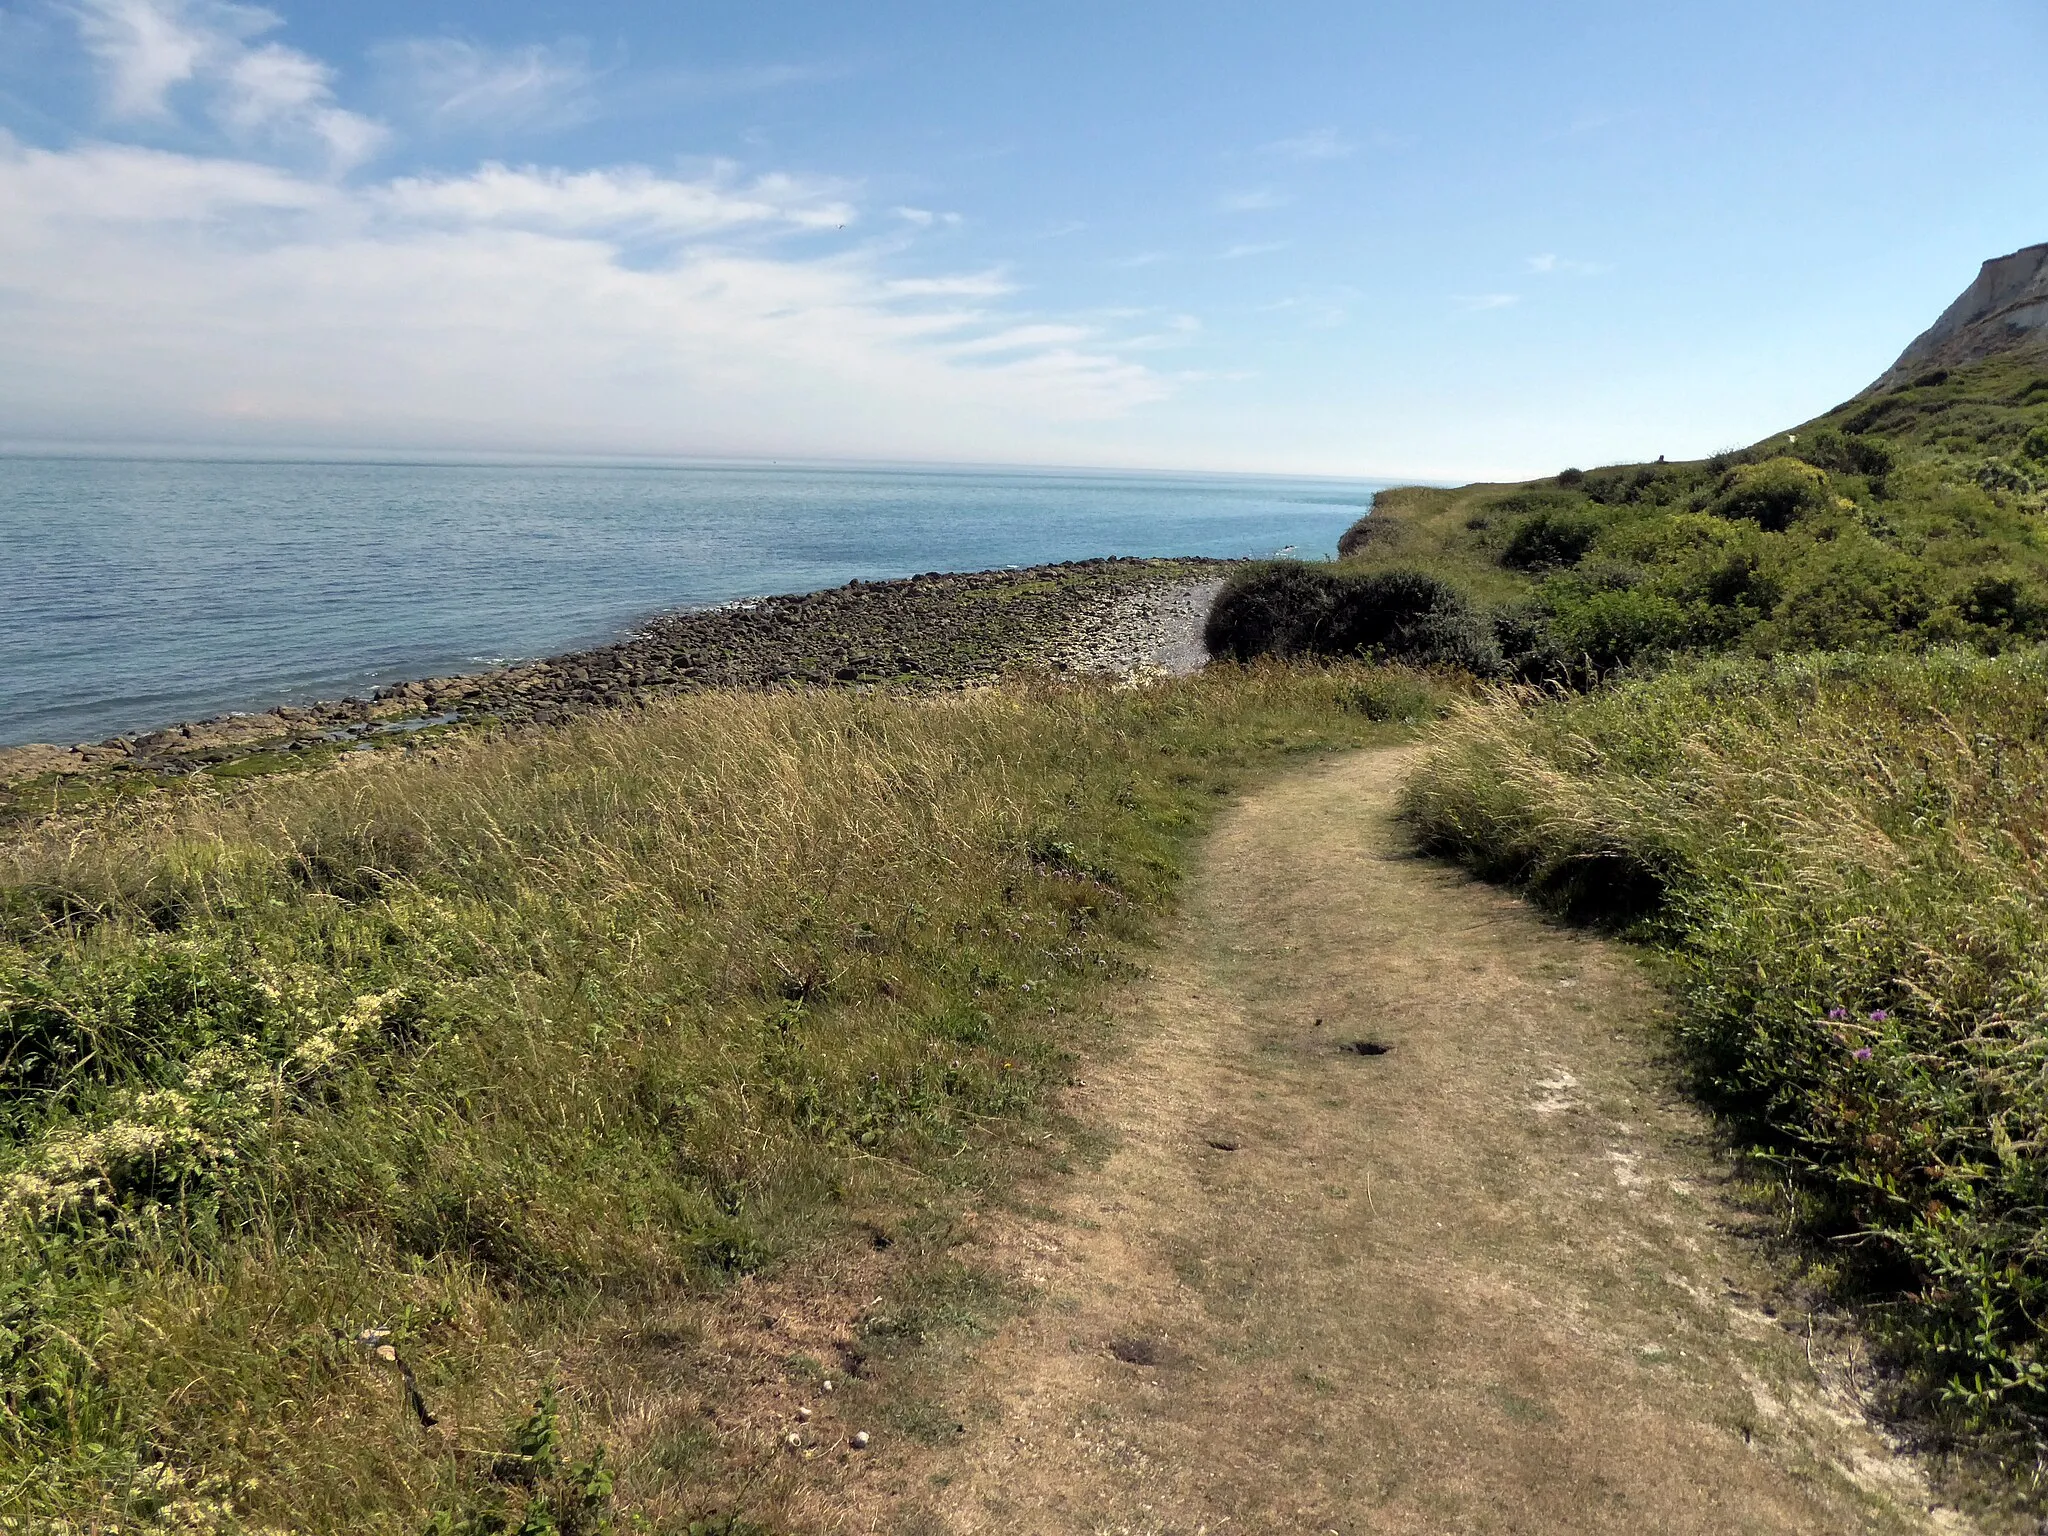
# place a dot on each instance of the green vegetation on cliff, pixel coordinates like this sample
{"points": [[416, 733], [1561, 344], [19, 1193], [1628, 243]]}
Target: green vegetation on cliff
{"points": [[1895, 521]]}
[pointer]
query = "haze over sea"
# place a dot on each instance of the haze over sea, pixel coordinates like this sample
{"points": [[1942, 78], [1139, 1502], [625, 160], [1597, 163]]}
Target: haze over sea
{"points": [[136, 593]]}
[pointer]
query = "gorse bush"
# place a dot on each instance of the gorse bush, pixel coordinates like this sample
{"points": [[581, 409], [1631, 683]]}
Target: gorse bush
{"points": [[1286, 608], [459, 1048], [1847, 859]]}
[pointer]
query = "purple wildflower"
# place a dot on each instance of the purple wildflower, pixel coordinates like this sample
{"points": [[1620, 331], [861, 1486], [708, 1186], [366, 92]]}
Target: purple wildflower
{"points": [[1838, 1015], [1861, 1053], [1879, 1017]]}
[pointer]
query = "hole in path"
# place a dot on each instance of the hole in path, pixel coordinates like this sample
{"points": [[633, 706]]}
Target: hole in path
{"points": [[1224, 1144], [1137, 1351], [1367, 1048]]}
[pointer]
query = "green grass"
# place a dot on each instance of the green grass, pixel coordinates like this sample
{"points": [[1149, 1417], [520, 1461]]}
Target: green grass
{"points": [[1846, 860], [502, 1049]]}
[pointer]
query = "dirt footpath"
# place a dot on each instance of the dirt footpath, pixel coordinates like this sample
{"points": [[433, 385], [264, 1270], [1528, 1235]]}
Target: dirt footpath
{"points": [[1404, 1232]]}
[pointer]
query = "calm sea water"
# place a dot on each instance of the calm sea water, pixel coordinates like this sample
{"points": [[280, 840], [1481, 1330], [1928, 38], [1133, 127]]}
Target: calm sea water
{"points": [[137, 593]]}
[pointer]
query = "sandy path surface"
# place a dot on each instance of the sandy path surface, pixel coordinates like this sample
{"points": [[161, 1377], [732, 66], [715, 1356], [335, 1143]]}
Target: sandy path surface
{"points": [[1483, 1280]]}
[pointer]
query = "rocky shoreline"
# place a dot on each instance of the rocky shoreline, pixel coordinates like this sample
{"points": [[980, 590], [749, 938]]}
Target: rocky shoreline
{"points": [[925, 633]]}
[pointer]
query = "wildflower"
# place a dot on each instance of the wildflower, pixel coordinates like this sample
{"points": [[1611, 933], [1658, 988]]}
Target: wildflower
{"points": [[1880, 1017], [1838, 1015], [1861, 1053]]}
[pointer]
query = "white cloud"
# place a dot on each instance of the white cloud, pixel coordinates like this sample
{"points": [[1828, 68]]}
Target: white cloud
{"points": [[1261, 248], [148, 49], [925, 218], [452, 83], [214, 298], [1479, 301], [1551, 265], [967, 285], [613, 203], [1021, 338], [1252, 201], [1316, 144], [145, 48]]}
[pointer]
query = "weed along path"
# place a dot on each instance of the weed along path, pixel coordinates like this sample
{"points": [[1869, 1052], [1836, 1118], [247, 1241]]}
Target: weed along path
{"points": [[1403, 1231]]}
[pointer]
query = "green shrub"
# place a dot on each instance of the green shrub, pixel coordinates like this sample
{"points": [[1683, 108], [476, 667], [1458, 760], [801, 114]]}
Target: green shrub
{"points": [[2006, 602], [1774, 494], [2035, 446], [1285, 608], [1281, 608], [1549, 539], [1615, 628], [1862, 597], [1847, 453]]}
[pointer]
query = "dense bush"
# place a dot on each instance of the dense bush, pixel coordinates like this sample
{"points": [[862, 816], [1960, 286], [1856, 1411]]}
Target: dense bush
{"points": [[1843, 857], [1287, 608], [1774, 494], [1545, 540], [1847, 453]]}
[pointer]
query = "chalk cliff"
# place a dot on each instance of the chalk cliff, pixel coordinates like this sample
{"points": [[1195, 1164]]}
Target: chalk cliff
{"points": [[2004, 310]]}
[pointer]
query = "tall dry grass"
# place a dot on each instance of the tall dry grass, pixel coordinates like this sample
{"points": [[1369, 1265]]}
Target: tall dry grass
{"points": [[1844, 858], [467, 1047]]}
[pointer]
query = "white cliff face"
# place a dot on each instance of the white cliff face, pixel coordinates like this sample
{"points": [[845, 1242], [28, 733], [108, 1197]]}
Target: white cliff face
{"points": [[2004, 310]]}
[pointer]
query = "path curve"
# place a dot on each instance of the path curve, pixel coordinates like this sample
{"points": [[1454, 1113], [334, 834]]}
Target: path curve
{"points": [[1484, 1281]]}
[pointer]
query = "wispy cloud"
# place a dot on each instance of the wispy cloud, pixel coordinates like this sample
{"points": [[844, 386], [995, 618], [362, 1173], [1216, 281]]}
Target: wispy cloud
{"points": [[256, 92], [1260, 248], [1253, 200], [1141, 259], [963, 285], [1316, 144], [924, 218], [154, 293], [1552, 265], [1323, 309], [1480, 301], [452, 83], [250, 291], [624, 201]]}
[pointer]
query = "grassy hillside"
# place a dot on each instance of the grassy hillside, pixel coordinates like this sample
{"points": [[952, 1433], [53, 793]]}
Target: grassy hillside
{"points": [[1899, 520], [480, 1066]]}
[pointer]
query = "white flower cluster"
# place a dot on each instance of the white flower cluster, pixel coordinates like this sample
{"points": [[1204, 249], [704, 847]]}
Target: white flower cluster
{"points": [[160, 1500], [160, 1140]]}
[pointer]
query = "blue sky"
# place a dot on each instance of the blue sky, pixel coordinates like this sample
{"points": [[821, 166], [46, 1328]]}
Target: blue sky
{"points": [[1438, 240]]}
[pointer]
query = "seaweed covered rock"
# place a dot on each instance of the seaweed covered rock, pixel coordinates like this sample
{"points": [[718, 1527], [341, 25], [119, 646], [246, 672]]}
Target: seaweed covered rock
{"points": [[1287, 608]]}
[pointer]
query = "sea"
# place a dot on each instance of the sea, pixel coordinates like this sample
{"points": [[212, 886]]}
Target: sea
{"points": [[139, 592]]}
